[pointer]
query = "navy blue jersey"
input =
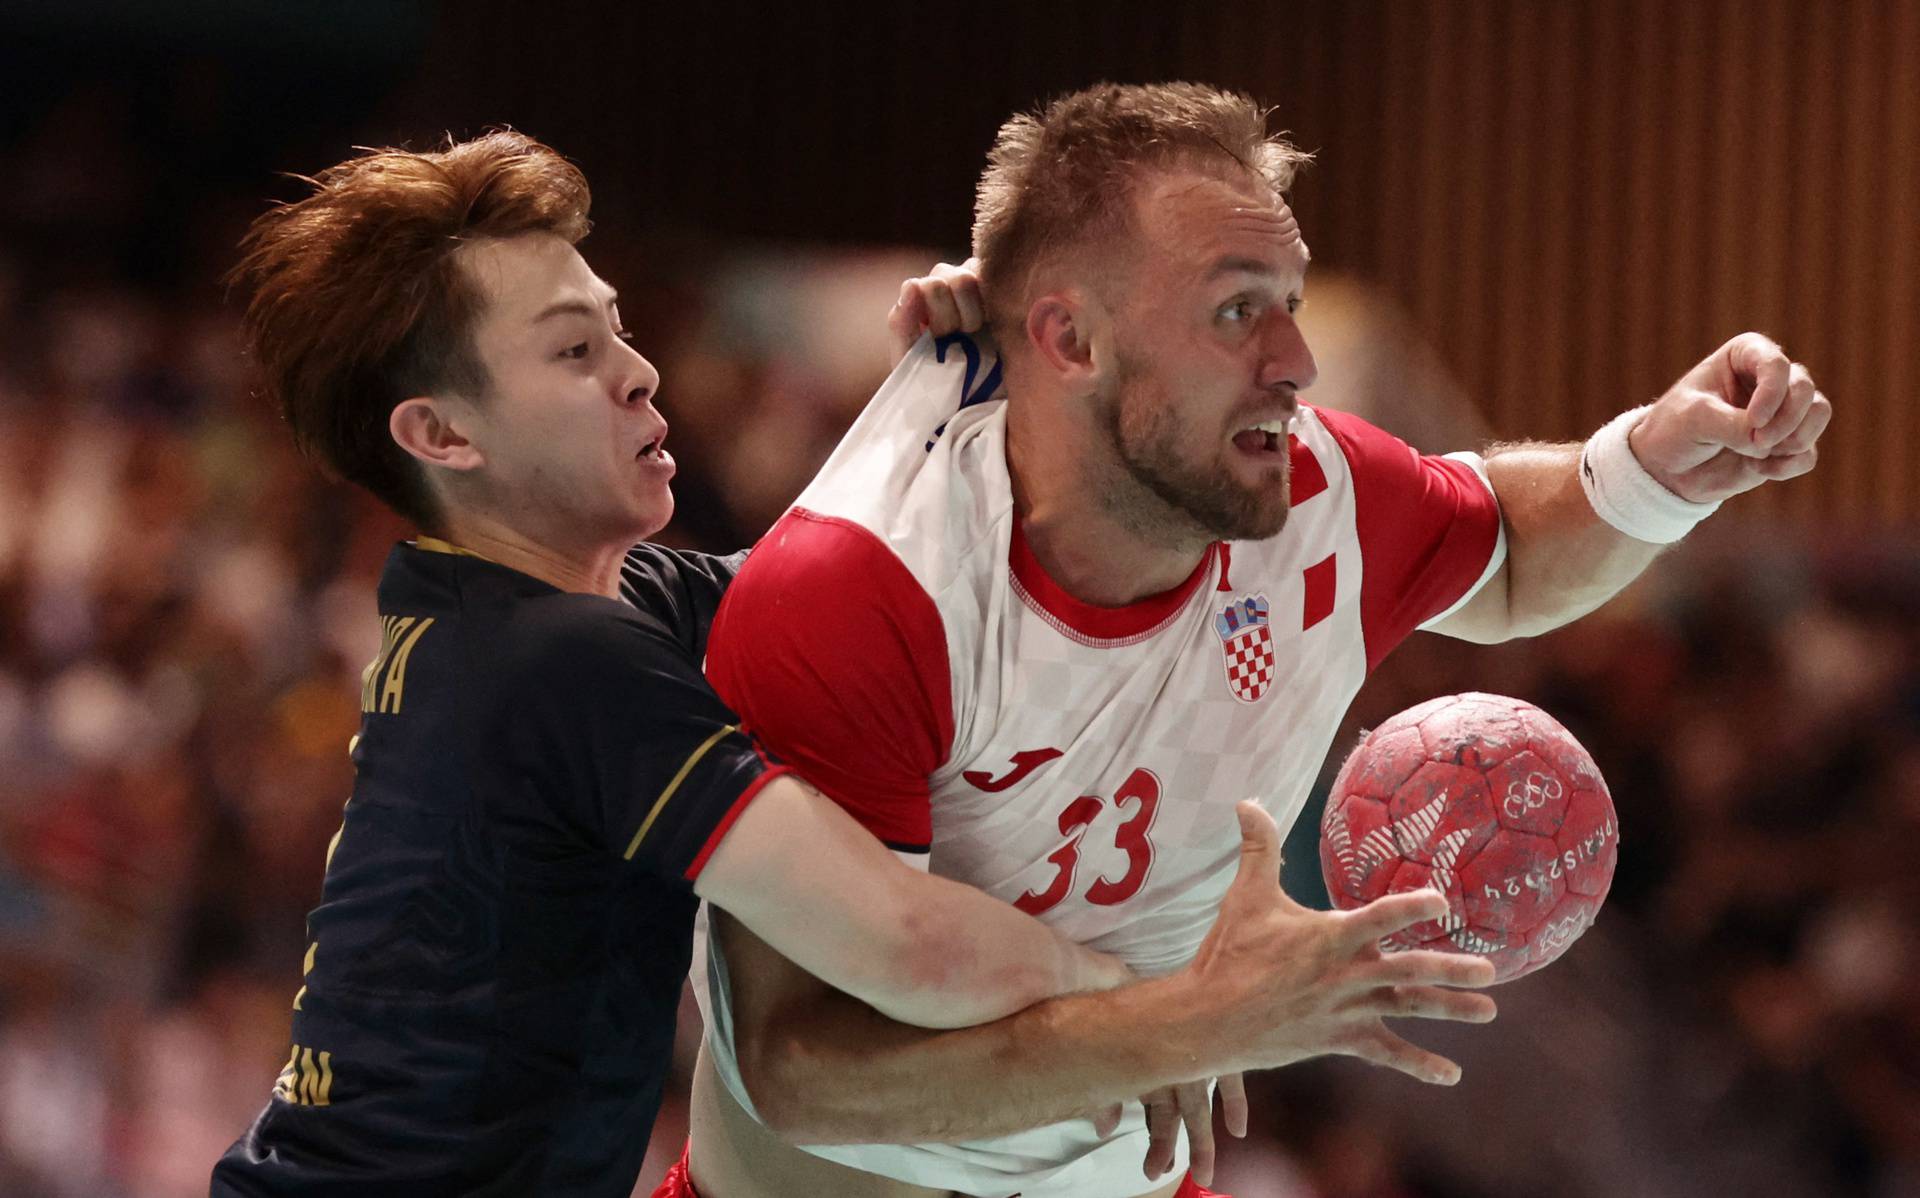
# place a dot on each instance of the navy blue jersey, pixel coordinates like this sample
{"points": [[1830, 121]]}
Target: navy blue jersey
{"points": [[496, 960]]}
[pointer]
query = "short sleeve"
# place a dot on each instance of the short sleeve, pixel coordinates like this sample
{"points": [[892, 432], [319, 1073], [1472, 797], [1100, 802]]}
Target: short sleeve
{"points": [[1429, 530], [614, 730], [836, 659], [681, 587]]}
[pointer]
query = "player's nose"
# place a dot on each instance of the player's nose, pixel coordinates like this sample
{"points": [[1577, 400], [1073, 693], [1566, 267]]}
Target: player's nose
{"points": [[640, 382], [1288, 361]]}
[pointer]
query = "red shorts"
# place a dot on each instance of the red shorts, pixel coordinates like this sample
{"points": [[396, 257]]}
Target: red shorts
{"points": [[677, 1184]]}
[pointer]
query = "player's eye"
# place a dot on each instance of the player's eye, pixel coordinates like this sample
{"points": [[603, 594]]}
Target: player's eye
{"points": [[1238, 312], [1294, 304], [578, 352], [625, 335]]}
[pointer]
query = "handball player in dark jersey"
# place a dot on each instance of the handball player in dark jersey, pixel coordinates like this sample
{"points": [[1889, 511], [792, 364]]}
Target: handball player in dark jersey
{"points": [[543, 782], [545, 787]]}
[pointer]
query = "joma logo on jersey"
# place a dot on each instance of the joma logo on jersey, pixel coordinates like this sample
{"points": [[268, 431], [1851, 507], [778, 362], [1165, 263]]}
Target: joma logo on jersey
{"points": [[1247, 640]]}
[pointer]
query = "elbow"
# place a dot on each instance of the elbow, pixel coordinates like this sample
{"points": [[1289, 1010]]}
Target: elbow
{"points": [[1519, 626], [770, 1070], [797, 1101], [936, 979], [1541, 617], [1524, 630], [924, 956]]}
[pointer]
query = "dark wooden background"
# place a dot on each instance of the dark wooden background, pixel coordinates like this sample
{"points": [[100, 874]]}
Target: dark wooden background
{"points": [[1575, 199]]}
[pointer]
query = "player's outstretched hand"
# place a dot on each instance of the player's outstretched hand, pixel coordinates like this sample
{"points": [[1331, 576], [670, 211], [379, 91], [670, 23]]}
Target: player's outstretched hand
{"points": [[1746, 415], [944, 300], [1278, 983]]}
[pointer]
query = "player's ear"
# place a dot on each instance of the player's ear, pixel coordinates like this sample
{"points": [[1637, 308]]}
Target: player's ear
{"points": [[1058, 328], [425, 427]]}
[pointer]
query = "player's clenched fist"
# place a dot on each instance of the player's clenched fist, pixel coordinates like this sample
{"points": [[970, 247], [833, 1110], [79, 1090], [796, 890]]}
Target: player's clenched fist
{"points": [[1279, 983], [1746, 415], [944, 300]]}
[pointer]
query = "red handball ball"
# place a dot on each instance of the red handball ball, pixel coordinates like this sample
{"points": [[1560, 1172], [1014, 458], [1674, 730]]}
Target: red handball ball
{"points": [[1493, 802]]}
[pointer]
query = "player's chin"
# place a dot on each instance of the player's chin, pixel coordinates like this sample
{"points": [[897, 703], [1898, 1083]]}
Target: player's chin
{"points": [[1260, 511], [1263, 523], [651, 510]]}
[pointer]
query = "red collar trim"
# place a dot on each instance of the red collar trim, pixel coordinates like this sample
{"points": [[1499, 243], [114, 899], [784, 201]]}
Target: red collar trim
{"points": [[1132, 622]]}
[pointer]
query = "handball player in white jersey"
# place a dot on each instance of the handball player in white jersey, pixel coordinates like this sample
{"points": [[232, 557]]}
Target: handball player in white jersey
{"points": [[1049, 612]]}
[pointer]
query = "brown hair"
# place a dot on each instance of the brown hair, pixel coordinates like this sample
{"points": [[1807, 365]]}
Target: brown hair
{"points": [[1062, 177], [358, 302]]}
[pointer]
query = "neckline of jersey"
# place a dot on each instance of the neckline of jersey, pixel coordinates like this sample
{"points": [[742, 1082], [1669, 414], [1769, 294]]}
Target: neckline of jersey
{"points": [[471, 565], [1131, 621], [436, 545]]}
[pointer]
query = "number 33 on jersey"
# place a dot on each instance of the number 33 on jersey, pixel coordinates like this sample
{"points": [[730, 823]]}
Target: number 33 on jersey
{"points": [[896, 639]]}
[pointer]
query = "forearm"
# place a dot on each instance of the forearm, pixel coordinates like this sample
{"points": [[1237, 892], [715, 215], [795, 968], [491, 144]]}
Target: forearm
{"points": [[1271, 984], [966, 958], [1745, 416], [808, 880], [840, 1073], [1563, 561]]}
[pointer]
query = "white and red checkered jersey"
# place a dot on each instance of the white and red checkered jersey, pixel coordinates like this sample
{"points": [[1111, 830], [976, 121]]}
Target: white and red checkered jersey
{"points": [[895, 639]]}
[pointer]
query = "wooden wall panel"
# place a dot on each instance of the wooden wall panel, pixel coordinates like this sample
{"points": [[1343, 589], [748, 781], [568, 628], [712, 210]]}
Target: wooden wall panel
{"points": [[1586, 197], [1576, 199]]}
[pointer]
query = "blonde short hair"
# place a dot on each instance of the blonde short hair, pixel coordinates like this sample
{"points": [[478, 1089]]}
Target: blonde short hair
{"points": [[1061, 178]]}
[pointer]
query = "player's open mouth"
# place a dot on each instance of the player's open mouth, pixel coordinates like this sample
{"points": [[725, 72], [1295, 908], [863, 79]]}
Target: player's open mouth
{"points": [[654, 456], [1260, 440]]}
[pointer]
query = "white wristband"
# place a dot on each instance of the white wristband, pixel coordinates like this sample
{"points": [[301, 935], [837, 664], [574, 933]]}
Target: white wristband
{"points": [[1626, 496]]}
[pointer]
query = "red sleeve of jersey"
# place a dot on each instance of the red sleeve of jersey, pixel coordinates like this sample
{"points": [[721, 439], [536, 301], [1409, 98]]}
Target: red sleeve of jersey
{"points": [[1428, 527], [835, 659]]}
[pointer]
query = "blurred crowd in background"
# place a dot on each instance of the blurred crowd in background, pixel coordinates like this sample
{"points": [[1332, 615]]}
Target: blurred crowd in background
{"points": [[185, 607]]}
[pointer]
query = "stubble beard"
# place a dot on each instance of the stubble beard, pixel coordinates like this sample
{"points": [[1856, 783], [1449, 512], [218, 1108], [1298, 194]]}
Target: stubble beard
{"points": [[1167, 499]]}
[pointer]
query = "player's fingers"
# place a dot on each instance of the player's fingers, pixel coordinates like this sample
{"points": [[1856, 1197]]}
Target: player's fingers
{"points": [[1382, 1047], [1258, 877], [1793, 410], [1427, 1002], [1760, 365], [968, 271], [1163, 1131], [943, 315], [1196, 1113], [904, 322], [1392, 913], [1107, 1121], [1707, 419], [1233, 1104], [972, 305], [1819, 415], [1779, 469], [965, 285], [1428, 967]]}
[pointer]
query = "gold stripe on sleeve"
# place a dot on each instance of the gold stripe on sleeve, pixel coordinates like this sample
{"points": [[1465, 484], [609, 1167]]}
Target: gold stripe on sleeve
{"points": [[685, 769]]}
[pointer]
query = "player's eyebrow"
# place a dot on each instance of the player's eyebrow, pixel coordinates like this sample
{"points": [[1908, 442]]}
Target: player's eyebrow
{"points": [[1241, 264], [577, 307], [1234, 264]]}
